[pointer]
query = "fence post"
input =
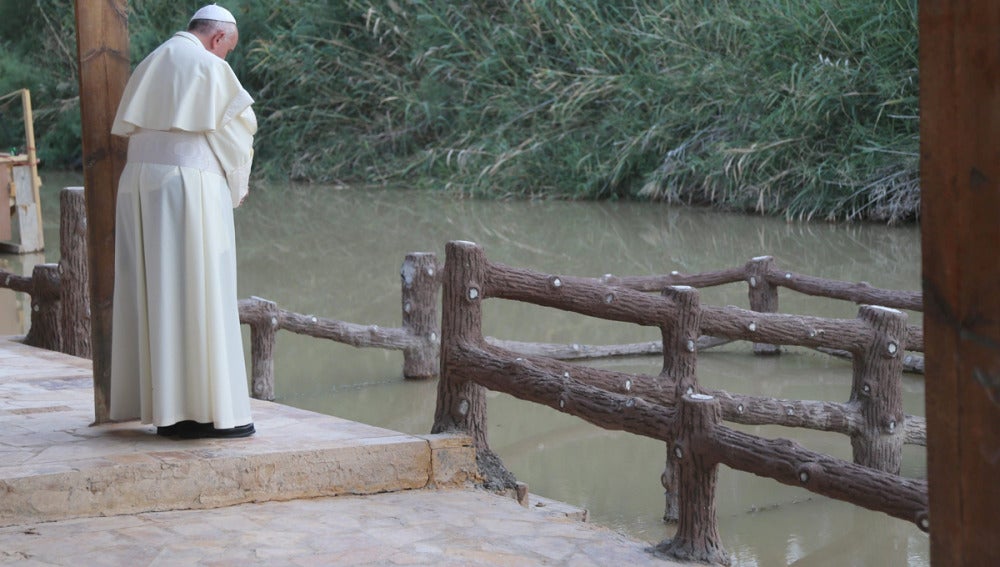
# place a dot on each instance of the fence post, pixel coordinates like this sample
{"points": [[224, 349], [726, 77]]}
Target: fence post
{"points": [[763, 295], [697, 537], [461, 403], [73, 275], [421, 284], [264, 322], [877, 391], [45, 308], [680, 361]]}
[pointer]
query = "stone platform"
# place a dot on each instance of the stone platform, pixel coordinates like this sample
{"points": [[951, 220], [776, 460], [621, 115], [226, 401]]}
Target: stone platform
{"points": [[55, 465], [307, 489]]}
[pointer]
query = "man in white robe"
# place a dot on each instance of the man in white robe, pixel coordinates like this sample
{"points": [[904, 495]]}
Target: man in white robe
{"points": [[177, 351]]}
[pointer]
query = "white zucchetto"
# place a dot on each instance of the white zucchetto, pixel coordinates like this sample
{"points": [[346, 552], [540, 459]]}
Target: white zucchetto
{"points": [[214, 12]]}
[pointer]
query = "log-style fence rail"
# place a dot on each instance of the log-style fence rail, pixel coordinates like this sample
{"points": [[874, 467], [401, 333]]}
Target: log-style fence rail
{"points": [[729, 322], [595, 298], [418, 338], [760, 272], [671, 406], [60, 297]]}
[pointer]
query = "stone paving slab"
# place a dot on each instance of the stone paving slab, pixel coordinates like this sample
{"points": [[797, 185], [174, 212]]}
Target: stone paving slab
{"points": [[448, 527]]}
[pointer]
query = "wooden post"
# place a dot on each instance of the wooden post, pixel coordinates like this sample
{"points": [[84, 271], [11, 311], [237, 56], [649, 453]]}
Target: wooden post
{"points": [[461, 403], [960, 201], [877, 391], [763, 295], [6, 227], [75, 288], [421, 286], [102, 50], [45, 308], [697, 537], [265, 321], [680, 362]]}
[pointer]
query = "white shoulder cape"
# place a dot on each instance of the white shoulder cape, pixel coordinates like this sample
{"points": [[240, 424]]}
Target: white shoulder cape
{"points": [[183, 86]]}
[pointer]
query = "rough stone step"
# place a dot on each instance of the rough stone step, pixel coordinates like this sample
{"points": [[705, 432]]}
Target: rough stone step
{"points": [[55, 465]]}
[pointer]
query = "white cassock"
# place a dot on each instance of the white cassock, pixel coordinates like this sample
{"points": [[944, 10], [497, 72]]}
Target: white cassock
{"points": [[177, 350]]}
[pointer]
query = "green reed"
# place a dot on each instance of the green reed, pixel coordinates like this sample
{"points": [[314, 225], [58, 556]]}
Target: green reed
{"points": [[804, 108]]}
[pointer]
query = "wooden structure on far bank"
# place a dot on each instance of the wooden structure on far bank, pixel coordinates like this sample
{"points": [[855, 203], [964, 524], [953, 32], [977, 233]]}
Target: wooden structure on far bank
{"points": [[19, 186]]}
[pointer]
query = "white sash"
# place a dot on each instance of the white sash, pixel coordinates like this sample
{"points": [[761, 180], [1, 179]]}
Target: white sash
{"points": [[184, 149]]}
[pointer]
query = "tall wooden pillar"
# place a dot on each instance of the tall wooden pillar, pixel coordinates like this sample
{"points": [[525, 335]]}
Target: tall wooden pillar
{"points": [[102, 49], [960, 209]]}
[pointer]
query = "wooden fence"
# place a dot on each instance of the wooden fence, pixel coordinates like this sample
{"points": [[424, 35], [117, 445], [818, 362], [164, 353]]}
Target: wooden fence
{"points": [[60, 296], [763, 278], [672, 406], [418, 338]]}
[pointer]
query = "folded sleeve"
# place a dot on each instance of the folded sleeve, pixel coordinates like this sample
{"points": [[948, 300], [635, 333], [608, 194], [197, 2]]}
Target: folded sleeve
{"points": [[232, 143]]}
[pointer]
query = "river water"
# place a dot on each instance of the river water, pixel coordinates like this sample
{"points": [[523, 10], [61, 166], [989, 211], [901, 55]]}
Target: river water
{"points": [[336, 253]]}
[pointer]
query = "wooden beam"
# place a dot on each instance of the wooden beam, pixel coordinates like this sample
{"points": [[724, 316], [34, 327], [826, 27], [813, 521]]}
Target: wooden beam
{"points": [[102, 49], [960, 175], [29, 140]]}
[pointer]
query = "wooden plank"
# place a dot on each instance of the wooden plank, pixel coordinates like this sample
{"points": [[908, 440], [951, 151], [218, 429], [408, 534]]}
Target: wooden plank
{"points": [[102, 49], [5, 202], [29, 213], [29, 138], [960, 174]]}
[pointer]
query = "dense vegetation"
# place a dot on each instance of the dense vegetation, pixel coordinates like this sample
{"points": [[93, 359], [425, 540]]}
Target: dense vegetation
{"points": [[806, 108]]}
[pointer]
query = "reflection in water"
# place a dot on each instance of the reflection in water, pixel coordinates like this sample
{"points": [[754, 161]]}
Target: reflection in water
{"points": [[337, 254]]}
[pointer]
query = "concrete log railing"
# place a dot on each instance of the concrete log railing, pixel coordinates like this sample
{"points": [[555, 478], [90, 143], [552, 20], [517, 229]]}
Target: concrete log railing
{"points": [[74, 273], [763, 279], [60, 300], [46, 308], [46, 305], [591, 297], [762, 270], [418, 338], [671, 406]]}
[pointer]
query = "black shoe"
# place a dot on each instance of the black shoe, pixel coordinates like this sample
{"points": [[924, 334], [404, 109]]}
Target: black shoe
{"points": [[179, 428], [208, 431], [166, 431], [232, 433]]}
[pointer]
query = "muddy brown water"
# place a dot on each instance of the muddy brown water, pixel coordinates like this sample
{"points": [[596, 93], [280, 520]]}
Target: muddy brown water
{"points": [[337, 253]]}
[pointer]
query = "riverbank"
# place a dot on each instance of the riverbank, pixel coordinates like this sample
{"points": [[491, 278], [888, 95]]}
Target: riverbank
{"points": [[796, 109]]}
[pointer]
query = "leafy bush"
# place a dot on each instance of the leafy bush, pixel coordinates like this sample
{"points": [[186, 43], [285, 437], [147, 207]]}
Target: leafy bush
{"points": [[38, 52], [806, 109]]}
